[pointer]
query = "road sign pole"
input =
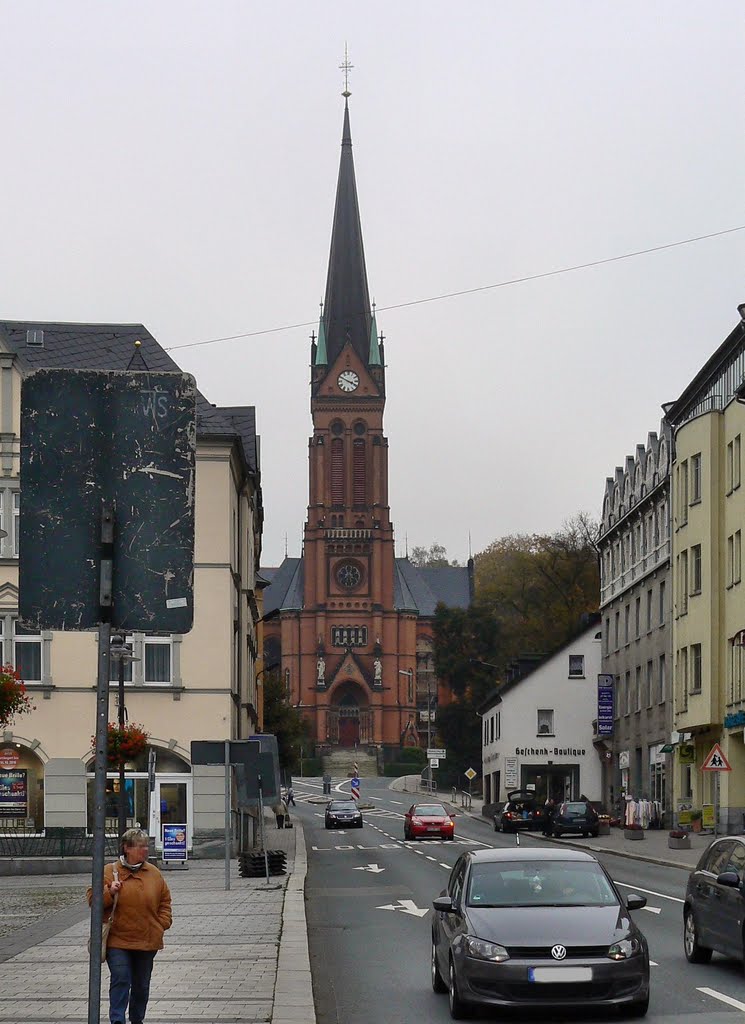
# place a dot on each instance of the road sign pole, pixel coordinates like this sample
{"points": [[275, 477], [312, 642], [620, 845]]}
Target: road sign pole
{"points": [[716, 804]]}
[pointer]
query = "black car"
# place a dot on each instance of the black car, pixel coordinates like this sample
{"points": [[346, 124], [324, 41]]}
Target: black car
{"points": [[541, 929], [715, 903], [521, 811], [578, 816], [343, 814]]}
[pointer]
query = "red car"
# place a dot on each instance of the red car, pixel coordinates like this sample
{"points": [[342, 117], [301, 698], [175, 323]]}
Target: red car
{"points": [[428, 821]]}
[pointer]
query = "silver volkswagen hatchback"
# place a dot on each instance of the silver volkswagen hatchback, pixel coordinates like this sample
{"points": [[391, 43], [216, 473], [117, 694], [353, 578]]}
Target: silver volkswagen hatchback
{"points": [[537, 928]]}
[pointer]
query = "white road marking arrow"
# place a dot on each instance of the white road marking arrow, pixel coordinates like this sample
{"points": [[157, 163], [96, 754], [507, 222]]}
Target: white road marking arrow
{"points": [[372, 868], [406, 907]]}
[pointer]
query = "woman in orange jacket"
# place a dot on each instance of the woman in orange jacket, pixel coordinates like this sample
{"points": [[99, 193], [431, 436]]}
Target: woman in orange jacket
{"points": [[143, 914]]}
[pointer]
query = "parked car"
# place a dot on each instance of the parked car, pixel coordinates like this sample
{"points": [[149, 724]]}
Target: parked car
{"points": [[522, 810], [577, 816], [343, 814], [715, 903], [428, 821], [537, 929]]}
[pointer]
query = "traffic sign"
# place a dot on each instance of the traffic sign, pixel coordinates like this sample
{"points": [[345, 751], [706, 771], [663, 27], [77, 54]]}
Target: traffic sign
{"points": [[434, 762], [354, 785], [470, 774], [715, 761], [436, 752]]}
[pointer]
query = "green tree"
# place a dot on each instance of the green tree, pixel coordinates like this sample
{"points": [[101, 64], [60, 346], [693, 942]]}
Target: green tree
{"points": [[538, 586], [285, 722], [435, 555]]}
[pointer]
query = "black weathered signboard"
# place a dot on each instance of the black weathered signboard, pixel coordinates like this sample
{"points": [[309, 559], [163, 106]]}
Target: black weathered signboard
{"points": [[255, 756], [91, 438]]}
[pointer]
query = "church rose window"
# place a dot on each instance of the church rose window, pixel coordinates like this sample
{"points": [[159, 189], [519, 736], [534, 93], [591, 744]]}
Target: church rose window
{"points": [[337, 471], [348, 575]]}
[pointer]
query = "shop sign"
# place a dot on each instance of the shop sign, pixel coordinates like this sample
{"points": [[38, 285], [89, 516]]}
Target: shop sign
{"points": [[174, 842], [606, 706], [624, 758], [510, 773], [13, 794], [685, 808], [9, 757], [707, 816], [686, 753], [733, 719]]}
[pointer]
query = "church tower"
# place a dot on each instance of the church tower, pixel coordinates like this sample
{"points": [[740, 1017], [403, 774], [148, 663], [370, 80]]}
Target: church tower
{"points": [[348, 624]]}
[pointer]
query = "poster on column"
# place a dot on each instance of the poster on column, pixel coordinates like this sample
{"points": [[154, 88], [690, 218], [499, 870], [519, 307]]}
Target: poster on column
{"points": [[13, 794]]}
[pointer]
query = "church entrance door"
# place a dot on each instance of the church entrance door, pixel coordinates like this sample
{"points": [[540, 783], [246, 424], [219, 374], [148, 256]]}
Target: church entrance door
{"points": [[349, 730]]}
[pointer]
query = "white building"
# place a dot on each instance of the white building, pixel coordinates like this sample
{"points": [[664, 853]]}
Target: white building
{"points": [[538, 725]]}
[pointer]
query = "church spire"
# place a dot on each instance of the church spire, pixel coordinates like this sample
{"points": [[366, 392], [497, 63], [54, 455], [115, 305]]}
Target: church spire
{"points": [[347, 305]]}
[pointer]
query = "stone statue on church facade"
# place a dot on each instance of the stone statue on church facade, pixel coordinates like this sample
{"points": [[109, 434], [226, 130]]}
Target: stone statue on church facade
{"points": [[321, 672], [378, 672]]}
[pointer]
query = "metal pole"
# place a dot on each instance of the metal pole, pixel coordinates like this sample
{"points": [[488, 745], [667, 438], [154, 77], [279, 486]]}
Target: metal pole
{"points": [[122, 723], [716, 804], [263, 827], [99, 784], [227, 815], [429, 732]]}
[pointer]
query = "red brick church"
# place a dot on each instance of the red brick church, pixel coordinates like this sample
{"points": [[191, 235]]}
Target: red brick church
{"points": [[348, 623]]}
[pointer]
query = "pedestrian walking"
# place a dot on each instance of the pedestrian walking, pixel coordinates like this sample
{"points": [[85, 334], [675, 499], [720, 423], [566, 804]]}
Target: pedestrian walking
{"points": [[291, 797], [280, 812], [549, 810], [143, 914]]}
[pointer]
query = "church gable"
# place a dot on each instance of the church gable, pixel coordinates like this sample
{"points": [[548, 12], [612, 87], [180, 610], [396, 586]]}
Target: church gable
{"points": [[348, 377], [349, 669]]}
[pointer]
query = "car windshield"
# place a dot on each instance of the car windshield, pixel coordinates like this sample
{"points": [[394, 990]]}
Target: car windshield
{"points": [[342, 805], [540, 884], [578, 808], [430, 810]]}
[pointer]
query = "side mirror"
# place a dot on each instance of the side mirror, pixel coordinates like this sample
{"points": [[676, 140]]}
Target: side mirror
{"points": [[729, 878], [634, 902], [444, 905]]}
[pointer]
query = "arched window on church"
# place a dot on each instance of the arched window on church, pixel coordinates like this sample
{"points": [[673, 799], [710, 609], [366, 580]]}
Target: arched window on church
{"points": [[359, 473], [337, 471]]}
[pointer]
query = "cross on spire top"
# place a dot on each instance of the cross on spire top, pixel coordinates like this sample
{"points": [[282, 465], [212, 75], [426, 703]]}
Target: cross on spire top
{"points": [[346, 66]]}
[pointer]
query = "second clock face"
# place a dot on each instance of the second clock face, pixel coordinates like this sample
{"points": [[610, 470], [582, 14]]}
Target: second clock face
{"points": [[348, 380]]}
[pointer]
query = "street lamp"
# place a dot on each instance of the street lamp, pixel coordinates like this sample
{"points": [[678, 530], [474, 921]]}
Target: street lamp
{"points": [[121, 653]]}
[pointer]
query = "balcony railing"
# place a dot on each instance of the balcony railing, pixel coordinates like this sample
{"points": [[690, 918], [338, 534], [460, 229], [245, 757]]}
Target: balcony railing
{"points": [[341, 533]]}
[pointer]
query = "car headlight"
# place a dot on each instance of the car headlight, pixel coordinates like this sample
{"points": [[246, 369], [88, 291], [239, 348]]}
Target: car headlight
{"points": [[483, 950], [624, 949]]}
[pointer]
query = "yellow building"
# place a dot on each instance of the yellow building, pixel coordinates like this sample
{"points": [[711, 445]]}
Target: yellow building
{"points": [[708, 506], [201, 685]]}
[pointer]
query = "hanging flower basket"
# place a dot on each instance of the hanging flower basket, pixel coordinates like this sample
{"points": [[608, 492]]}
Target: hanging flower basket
{"points": [[13, 697], [125, 744]]}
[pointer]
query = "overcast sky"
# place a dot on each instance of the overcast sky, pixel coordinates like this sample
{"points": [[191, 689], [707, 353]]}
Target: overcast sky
{"points": [[175, 163]]}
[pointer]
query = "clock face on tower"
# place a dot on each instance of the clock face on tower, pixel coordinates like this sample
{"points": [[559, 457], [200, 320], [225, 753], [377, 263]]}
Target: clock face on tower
{"points": [[348, 380]]}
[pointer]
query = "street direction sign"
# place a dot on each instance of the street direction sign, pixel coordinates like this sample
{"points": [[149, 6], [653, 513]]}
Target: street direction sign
{"points": [[372, 868], [354, 785], [715, 761], [406, 907], [470, 774], [437, 752]]}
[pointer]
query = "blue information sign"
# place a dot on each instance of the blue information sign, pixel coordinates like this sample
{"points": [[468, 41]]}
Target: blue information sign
{"points": [[606, 705], [355, 783], [174, 842]]}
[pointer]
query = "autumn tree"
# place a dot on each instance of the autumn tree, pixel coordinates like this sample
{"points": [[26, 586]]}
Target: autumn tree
{"points": [[284, 721], [433, 556]]}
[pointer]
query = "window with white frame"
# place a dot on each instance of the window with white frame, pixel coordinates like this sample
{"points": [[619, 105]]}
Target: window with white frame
{"points": [[695, 478], [16, 523], [683, 566], [730, 560], [683, 493], [157, 662], [26, 653], [662, 602], [638, 687], [649, 684], [577, 661], [737, 558], [736, 462], [627, 694], [696, 569], [662, 680], [695, 668], [545, 724]]}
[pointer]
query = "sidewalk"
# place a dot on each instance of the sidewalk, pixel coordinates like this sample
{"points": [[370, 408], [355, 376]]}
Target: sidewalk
{"points": [[239, 955], [652, 848]]}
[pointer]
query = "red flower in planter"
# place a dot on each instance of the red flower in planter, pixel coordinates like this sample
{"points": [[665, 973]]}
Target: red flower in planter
{"points": [[124, 744], [13, 697], [636, 827]]}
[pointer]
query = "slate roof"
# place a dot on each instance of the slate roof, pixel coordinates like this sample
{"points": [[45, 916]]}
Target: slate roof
{"points": [[346, 309], [69, 346], [285, 588]]}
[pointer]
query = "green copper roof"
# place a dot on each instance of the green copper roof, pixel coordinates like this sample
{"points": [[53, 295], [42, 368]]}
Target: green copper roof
{"points": [[321, 354], [374, 358]]}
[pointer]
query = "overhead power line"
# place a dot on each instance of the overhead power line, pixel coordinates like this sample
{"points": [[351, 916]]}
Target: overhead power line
{"points": [[479, 288]]}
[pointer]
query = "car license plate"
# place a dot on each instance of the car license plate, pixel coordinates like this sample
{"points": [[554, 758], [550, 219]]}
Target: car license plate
{"points": [[433, 828], [554, 974]]}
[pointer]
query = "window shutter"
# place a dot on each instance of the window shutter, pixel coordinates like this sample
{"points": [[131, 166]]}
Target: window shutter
{"points": [[337, 471], [359, 482]]}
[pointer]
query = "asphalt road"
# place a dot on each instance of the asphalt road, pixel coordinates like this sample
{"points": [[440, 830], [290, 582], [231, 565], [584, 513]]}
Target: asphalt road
{"points": [[369, 898]]}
